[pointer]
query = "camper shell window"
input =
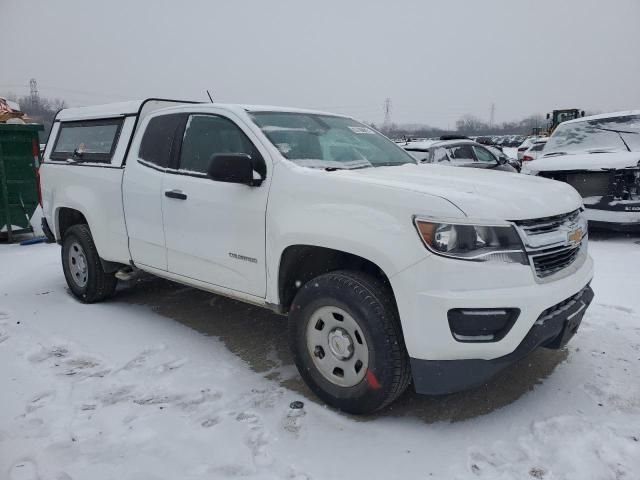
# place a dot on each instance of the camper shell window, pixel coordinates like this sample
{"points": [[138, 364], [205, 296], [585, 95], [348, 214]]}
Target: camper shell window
{"points": [[87, 140]]}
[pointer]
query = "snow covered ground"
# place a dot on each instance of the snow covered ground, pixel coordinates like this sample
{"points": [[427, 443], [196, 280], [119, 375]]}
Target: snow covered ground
{"points": [[166, 382]]}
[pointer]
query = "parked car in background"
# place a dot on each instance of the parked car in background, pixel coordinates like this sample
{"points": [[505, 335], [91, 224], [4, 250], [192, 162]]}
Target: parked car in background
{"points": [[458, 153], [484, 140], [535, 150], [524, 146], [600, 157], [500, 154], [516, 141], [390, 272]]}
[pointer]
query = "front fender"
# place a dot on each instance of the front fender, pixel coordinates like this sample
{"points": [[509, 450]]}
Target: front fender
{"points": [[375, 223]]}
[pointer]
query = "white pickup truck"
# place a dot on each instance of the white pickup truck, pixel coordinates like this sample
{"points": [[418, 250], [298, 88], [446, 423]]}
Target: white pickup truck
{"points": [[389, 271]]}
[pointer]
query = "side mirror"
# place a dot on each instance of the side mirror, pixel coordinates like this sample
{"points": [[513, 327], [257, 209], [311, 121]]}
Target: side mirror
{"points": [[502, 160], [234, 168]]}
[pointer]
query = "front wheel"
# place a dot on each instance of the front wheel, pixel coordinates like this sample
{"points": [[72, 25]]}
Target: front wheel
{"points": [[347, 343], [82, 268]]}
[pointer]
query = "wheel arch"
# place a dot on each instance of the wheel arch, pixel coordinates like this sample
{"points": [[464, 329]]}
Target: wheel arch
{"points": [[303, 262], [65, 218]]}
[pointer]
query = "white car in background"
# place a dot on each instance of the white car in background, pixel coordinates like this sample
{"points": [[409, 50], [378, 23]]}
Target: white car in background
{"points": [[524, 146], [459, 151], [534, 151]]}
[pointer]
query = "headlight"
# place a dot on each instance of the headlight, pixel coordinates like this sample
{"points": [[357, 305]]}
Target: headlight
{"points": [[478, 243]]}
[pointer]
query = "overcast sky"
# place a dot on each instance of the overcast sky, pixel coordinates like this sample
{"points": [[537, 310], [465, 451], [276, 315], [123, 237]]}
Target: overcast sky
{"points": [[435, 60]]}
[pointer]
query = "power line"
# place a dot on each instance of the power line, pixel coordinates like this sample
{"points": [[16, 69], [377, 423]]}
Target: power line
{"points": [[35, 98], [387, 112]]}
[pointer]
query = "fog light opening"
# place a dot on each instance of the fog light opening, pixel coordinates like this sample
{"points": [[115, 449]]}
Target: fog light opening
{"points": [[478, 325]]}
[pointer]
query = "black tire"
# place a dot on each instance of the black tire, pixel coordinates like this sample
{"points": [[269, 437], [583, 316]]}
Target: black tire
{"points": [[370, 303], [96, 285]]}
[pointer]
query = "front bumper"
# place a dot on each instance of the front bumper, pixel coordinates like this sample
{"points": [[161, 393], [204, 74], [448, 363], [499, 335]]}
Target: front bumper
{"points": [[428, 290], [553, 329], [621, 217]]}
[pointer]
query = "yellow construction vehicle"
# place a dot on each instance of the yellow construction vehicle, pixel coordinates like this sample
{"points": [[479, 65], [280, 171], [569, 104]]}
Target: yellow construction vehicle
{"points": [[556, 117]]}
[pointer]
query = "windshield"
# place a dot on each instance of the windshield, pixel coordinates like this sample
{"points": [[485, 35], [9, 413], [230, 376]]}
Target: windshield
{"points": [[601, 135], [326, 141]]}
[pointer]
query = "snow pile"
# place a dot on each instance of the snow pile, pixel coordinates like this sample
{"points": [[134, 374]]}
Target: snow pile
{"points": [[118, 390]]}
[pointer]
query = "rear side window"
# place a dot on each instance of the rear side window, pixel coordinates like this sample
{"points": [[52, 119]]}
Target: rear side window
{"points": [[537, 147], [87, 141], [157, 142], [462, 152]]}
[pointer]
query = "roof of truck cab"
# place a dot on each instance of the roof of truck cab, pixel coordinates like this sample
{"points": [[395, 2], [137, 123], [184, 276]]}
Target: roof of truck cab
{"points": [[262, 108], [133, 107], [273, 108], [600, 116]]}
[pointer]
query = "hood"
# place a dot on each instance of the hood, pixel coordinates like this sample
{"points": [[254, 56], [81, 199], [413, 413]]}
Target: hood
{"points": [[585, 161], [479, 194]]}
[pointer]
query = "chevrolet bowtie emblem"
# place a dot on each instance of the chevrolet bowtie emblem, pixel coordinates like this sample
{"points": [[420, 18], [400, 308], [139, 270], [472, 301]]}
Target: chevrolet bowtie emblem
{"points": [[575, 236]]}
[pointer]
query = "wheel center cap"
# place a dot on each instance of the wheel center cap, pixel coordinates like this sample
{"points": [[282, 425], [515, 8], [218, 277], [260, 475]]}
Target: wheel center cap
{"points": [[82, 264], [340, 344]]}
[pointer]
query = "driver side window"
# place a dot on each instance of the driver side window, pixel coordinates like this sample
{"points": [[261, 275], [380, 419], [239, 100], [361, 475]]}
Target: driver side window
{"points": [[209, 135], [484, 155]]}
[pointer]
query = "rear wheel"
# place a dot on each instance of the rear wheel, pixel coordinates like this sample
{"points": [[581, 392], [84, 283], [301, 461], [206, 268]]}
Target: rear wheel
{"points": [[347, 342], [82, 268]]}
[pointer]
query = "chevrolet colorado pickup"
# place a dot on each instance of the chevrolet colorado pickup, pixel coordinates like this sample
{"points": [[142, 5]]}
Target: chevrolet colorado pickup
{"points": [[390, 272]]}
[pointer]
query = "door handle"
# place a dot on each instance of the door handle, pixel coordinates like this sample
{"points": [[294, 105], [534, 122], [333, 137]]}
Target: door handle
{"points": [[177, 194]]}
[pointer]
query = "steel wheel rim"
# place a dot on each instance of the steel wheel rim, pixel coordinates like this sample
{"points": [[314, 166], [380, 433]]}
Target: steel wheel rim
{"points": [[78, 265], [337, 346]]}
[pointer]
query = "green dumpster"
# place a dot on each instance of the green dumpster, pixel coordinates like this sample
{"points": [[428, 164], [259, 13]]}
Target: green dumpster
{"points": [[19, 162]]}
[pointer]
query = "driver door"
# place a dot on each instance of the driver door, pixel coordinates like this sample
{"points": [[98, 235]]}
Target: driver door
{"points": [[489, 160], [215, 231]]}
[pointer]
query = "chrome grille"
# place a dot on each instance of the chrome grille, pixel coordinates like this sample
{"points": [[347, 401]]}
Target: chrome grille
{"points": [[553, 260], [548, 224], [549, 246]]}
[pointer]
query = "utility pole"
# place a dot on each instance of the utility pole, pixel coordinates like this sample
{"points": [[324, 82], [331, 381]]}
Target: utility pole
{"points": [[35, 98], [387, 113], [493, 114]]}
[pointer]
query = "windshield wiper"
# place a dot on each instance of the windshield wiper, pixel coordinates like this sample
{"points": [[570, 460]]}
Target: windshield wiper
{"points": [[554, 154], [356, 167], [619, 132]]}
